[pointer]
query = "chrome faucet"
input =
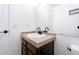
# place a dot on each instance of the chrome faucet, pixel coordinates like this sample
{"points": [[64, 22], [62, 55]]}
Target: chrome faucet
{"points": [[38, 29], [46, 29]]}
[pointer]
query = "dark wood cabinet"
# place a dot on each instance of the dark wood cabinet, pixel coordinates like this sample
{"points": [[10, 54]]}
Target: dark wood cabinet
{"points": [[29, 49]]}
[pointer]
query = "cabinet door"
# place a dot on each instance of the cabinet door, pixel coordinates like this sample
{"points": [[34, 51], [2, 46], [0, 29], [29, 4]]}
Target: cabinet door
{"points": [[47, 49], [29, 52], [24, 51], [31, 48], [61, 44], [24, 47]]}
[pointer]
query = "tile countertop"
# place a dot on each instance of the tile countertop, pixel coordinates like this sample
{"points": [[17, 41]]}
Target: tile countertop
{"points": [[38, 42]]}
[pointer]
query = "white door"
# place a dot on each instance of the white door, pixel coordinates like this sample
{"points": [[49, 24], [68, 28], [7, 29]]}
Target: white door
{"points": [[5, 44]]}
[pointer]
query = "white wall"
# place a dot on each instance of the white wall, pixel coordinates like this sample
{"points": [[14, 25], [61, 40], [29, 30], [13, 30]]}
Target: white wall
{"points": [[22, 19], [65, 24]]}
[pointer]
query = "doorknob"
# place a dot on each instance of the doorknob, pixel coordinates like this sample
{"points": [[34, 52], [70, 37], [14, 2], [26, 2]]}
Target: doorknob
{"points": [[5, 31], [77, 27], [69, 48]]}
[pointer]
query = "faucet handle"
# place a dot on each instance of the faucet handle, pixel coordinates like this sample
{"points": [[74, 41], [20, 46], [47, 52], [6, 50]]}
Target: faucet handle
{"points": [[46, 29]]}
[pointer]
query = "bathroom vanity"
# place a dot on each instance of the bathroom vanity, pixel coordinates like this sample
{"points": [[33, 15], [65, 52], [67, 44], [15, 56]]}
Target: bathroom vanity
{"points": [[37, 44]]}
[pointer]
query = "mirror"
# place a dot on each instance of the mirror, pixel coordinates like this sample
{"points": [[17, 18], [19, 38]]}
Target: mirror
{"points": [[44, 16]]}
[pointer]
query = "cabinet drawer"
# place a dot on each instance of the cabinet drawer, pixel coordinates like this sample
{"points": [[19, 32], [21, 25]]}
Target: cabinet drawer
{"points": [[31, 47]]}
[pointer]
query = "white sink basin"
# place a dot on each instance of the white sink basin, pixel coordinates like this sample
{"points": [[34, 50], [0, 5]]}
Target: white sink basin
{"points": [[35, 35]]}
